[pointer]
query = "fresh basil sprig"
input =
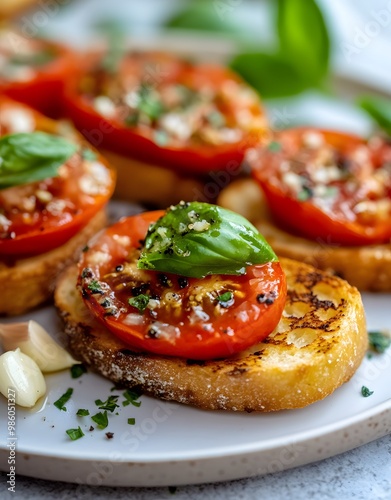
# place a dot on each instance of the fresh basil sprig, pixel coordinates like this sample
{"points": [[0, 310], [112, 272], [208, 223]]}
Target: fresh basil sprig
{"points": [[379, 108], [31, 157], [197, 239]]}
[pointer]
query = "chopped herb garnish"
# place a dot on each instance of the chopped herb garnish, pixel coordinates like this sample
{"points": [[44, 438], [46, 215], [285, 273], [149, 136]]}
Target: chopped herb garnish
{"points": [[378, 341], [160, 137], [78, 370], [89, 155], [131, 421], [305, 194], [109, 405], [366, 392], [60, 403], [82, 413], [140, 302], [149, 103], [274, 147], [225, 299], [94, 286], [101, 419], [75, 433], [216, 119], [131, 397]]}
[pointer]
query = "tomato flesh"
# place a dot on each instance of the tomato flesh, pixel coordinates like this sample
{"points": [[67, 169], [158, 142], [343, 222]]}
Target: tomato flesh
{"points": [[38, 217], [212, 317], [37, 77], [327, 186], [185, 137]]}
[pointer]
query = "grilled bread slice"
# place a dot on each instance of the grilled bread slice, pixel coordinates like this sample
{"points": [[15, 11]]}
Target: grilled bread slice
{"points": [[317, 346], [366, 267], [28, 282], [151, 184]]}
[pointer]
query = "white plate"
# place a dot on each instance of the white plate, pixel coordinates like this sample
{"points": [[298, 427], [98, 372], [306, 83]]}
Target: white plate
{"points": [[172, 444]]}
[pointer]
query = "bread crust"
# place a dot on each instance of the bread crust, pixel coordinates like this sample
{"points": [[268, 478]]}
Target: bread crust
{"points": [[151, 184], [366, 267], [317, 346], [26, 283]]}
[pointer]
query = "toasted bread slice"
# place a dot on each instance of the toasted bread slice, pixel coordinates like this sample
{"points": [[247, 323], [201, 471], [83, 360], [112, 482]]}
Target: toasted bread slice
{"points": [[26, 283], [366, 267], [317, 346], [151, 184], [9, 8]]}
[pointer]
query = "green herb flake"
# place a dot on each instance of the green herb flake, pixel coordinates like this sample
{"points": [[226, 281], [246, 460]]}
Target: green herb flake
{"points": [[89, 155], [140, 302], [110, 404], [101, 419], [60, 403], [161, 137], [366, 392], [131, 421], [94, 286], [82, 413], [131, 397], [78, 370], [378, 341], [75, 434], [226, 299], [305, 194], [274, 146], [216, 119]]}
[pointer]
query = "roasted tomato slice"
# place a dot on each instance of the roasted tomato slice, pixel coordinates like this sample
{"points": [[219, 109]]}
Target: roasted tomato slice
{"points": [[33, 71], [41, 216], [327, 186], [158, 108], [167, 314]]}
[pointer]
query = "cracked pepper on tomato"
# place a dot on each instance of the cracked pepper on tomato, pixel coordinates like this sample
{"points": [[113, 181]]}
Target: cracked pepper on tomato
{"points": [[196, 281], [327, 186], [51, 182], [33, 71], [155, 107]]}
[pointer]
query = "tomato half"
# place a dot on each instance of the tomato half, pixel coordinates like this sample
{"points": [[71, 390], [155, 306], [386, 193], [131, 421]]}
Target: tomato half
{"points": [[327, 186], [212, 317], [157, 108], [33, 71], [41, 216]]}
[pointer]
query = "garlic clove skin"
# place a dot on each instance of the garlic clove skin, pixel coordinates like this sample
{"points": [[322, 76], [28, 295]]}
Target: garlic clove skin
{"points": [[21, 374], [34, 341]]}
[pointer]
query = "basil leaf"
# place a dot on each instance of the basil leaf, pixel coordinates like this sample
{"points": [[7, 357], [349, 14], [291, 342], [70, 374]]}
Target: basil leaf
{"points": [[114, 30], [32, 157], [379, 109], [272, 75], [35, 59], [197, 239], [204, 15], [304, 39]]}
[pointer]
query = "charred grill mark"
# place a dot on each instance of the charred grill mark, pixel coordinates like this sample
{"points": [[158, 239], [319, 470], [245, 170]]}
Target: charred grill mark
{"points": [[313, 300], [237, 371]]}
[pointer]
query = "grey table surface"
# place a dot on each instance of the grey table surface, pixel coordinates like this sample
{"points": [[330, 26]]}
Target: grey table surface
{"points": [[363, 473]]}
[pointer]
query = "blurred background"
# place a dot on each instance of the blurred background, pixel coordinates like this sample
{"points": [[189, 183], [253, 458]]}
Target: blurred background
{"points": [[309, 59]]}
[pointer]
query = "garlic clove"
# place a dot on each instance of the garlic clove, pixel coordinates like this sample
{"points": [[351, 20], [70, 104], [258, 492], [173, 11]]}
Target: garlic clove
{"points": [[21, 374], [34, 341]]}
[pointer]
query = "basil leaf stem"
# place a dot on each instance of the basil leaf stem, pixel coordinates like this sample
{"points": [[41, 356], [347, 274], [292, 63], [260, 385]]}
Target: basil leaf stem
{"points": [[31, 157]]}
